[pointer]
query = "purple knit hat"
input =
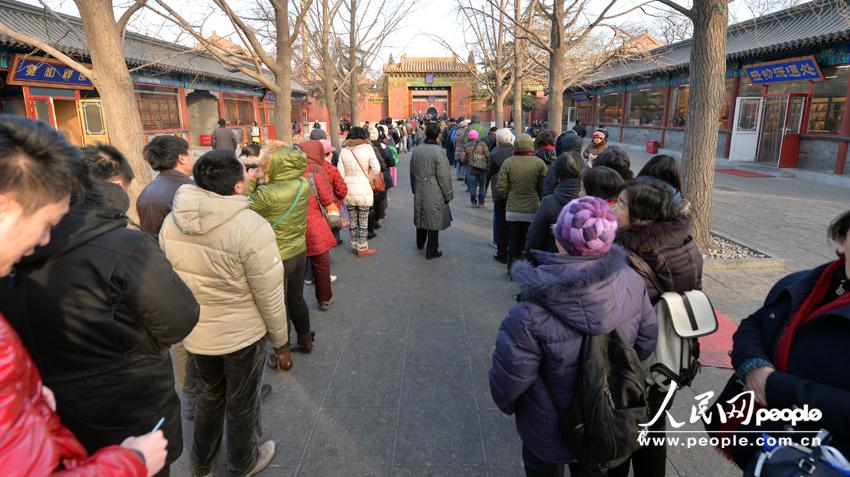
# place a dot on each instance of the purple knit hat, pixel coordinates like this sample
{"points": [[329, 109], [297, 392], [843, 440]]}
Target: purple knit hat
{"points": [[586, 226]]}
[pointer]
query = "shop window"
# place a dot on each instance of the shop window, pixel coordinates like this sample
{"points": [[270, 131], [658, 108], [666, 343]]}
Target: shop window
{"points": [[239, 111], [828, 101], [13, 106], [678, 106], [748, 89], [646, 107], [788, 87], [610, 108], [159, 110]]}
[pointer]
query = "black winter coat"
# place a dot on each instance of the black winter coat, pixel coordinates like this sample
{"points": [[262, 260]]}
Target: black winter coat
{"points": [[98, 309], [498, 156], [669, 250], [818, 362], [568, 141], [540, 235], [580, 130]]}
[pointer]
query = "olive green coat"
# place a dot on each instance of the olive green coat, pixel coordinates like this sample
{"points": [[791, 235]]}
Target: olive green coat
{"points": [[274, 199]]}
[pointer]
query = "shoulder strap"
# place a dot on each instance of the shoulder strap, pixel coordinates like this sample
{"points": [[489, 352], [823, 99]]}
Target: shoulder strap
{"points": [[311, 178], [641, 266], [358, 165], [291, 206]]}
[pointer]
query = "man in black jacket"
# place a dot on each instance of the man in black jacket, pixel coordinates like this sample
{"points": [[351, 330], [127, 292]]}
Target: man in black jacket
{"points": [[503, 150], [100, 335], [580, 129]]}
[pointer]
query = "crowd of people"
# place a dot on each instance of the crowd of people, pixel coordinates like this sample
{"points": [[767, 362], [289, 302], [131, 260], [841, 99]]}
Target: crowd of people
{"points": [[103, 318], [593, 248]]}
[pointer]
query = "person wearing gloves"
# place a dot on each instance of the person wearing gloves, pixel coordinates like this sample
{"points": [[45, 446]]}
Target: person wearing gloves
{"points": [[227, 255]]}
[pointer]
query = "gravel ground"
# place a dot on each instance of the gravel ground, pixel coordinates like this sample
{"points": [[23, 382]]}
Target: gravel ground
{"points": [[729, 250]]}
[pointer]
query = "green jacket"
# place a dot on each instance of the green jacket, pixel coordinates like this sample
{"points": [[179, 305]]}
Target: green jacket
{"points": [[521, 181], [272, 200]]}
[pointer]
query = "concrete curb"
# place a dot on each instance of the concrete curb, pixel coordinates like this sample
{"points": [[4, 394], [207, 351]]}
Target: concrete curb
{"points": [[769, 263]]}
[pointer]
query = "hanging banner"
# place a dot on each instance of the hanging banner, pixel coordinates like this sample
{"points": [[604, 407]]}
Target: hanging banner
{"points": [[792, 69], [30, 71]]}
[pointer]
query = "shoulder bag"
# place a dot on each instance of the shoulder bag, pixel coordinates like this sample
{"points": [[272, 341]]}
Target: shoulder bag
{"points": [[376, 180], [331, 212]]}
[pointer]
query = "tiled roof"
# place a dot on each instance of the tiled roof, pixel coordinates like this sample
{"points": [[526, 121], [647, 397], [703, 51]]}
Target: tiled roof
{"points": [[805, 25], [68, 37], [448, 64]]}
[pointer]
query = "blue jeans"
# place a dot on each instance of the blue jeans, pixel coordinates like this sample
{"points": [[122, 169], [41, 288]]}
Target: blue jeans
{"points": [[477, 180], [460, 170]]}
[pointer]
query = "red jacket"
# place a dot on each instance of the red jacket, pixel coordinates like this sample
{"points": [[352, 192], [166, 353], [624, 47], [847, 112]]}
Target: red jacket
{"points": [[337, 182], [32, 440], [320, 239]]}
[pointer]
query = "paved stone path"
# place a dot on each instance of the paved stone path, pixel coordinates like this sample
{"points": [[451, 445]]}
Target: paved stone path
{"points": [[397, 384]]}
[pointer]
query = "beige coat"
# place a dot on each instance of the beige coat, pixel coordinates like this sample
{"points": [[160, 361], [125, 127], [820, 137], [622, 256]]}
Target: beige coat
{"points": [[228, 256]]}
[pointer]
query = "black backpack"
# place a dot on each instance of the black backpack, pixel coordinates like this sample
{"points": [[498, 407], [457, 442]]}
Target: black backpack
{"points": [[601, 425]]}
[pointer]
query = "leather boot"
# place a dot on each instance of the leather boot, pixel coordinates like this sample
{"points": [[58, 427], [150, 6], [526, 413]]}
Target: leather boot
{"points": [[305, 342]]}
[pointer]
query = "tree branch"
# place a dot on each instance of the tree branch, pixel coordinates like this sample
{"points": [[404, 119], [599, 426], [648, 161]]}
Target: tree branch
{"points": [[125, 17], [675, 6]]}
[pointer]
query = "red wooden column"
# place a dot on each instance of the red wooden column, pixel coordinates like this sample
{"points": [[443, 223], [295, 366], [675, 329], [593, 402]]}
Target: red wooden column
{"points": [[623, 113], [736, 86], [841, 159], [184, 113], [665, 119]]}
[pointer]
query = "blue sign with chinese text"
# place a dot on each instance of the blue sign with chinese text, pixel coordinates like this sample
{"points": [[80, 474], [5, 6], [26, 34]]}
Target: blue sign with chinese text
{"points": [[37, 71], [794, 69], [581, 97]]}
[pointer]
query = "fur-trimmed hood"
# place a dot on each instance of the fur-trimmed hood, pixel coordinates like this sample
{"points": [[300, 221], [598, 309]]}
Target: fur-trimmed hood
{"points": [[584, 292], [653, 237]]}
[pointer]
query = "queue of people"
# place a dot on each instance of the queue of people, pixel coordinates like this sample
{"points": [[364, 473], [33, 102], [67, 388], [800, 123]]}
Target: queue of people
{"points": [[191, 298]]}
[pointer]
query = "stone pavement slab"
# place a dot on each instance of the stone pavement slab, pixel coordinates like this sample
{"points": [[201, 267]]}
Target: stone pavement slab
{"points": [[397, 384]]}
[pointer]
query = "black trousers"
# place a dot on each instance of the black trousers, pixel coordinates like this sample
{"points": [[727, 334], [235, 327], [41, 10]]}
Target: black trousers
{"points": [[228, 388], [293, 283], [500, 228], [429, 237], [517, 233]]}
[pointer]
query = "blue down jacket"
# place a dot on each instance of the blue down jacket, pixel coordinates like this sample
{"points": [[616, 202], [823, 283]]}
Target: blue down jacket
{"points": [[579, 295]]}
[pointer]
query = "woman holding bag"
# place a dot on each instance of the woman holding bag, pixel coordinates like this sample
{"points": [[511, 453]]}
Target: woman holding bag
{"points": [[320, 239], [357, 165], [792, 352]]}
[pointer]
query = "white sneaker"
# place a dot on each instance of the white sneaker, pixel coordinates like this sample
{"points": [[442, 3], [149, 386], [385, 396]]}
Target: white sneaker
{"points": [[333, 278], [265, 454], [308, 282]]}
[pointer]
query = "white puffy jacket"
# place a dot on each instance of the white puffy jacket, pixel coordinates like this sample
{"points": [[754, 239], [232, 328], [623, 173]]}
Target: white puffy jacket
{"points": [[353, 162]]}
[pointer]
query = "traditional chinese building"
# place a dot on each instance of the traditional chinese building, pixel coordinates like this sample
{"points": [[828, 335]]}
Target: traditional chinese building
{"points": [[436, 86], [179, 90], [787, 77]]}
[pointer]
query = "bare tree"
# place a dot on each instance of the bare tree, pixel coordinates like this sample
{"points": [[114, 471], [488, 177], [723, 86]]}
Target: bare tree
{"points": [[369, 23], [104, 35], [707, 88], [271, 67], [326, 48]]}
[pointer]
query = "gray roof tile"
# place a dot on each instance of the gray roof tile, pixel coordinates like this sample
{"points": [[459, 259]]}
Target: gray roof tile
{"points": [[138, 49], [809, 24]]}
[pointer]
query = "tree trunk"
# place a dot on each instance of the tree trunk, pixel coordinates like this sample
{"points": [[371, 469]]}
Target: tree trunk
{"points": [[555, 108], [115, 87], [499, 103], [354, 86], [516, 109], [328, 74], [708, 69], [283, 78]]}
